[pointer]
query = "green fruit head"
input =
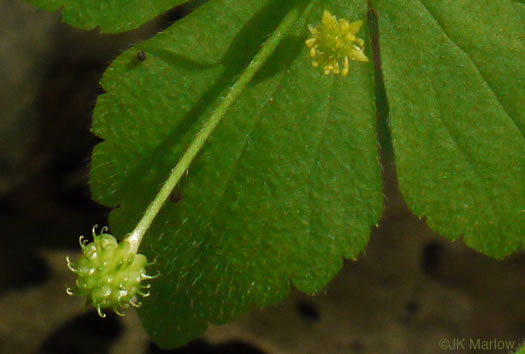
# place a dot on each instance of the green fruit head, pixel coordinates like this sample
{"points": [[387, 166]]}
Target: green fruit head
{"points": [[109, 273]]}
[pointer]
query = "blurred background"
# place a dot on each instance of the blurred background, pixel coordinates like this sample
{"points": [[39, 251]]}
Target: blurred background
{"points": [[410, 292]]}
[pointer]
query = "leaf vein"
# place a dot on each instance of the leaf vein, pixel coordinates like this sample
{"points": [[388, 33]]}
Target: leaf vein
{"points": [[243, 149], [477, 68], [316, 157]]}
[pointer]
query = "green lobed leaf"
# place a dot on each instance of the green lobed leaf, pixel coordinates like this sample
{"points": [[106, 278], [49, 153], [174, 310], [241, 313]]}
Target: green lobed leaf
{"points": [[287, 185], [111, 16], [454, 76], [521, 350]]}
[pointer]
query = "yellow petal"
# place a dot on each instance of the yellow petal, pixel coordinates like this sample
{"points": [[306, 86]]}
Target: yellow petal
{"points": [[344, 25], [328, 19], [346, 67], [313, 30], [350, 37], [355, 27], [335, 68], [310, 42], [358, 55]]}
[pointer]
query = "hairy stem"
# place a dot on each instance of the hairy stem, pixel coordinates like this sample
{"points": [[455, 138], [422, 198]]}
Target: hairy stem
{"points": [[135, 237]]}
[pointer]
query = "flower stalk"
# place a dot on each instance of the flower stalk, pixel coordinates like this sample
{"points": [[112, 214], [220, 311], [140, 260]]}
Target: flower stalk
{"points": [[109, 273]]}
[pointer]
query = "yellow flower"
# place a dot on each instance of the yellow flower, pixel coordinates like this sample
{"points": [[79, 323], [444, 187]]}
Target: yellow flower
{"points": [[333, 44]]}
